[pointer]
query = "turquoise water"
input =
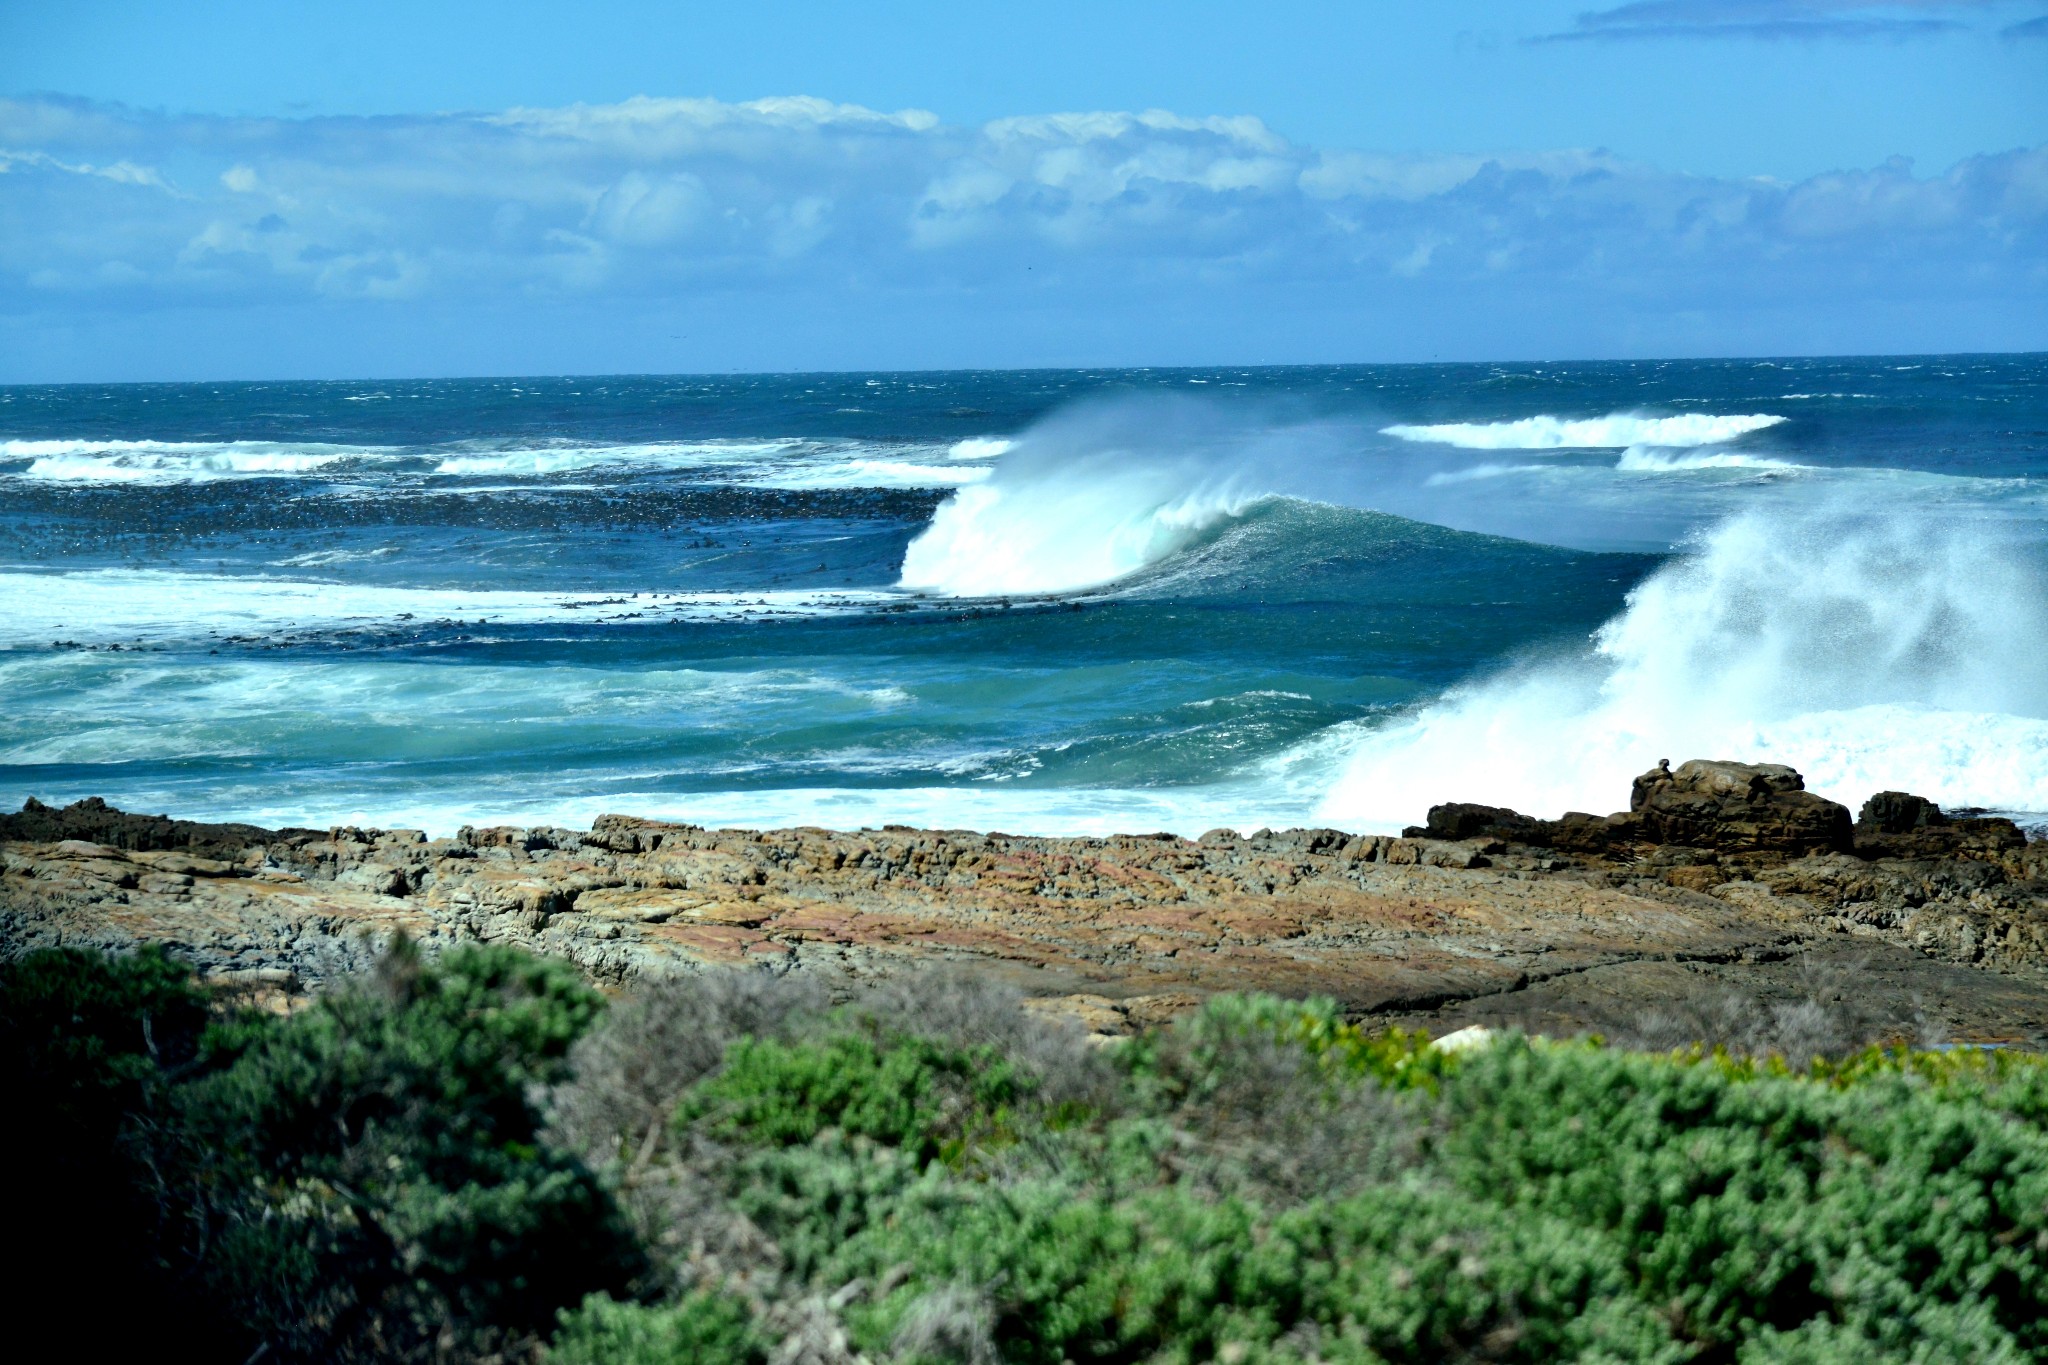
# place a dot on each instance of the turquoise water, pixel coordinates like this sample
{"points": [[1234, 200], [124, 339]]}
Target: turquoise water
{"points": [[1039, 601]]}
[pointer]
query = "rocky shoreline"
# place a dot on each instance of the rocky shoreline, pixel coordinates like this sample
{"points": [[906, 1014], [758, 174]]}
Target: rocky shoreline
{"points": [[1719, 877]]}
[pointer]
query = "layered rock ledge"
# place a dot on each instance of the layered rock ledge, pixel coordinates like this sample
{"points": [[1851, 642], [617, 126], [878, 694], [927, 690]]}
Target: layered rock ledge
{"points": [[1717, 873]]}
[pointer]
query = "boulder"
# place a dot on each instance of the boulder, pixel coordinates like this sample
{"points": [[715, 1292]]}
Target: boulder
{"points": [[1734, 808], [1464, 820], [93, 819], [1897, 813], [1901, 825], [1705, 807]]}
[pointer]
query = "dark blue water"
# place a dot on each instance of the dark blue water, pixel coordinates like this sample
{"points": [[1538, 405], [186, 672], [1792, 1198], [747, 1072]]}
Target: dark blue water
{"points": [[1039, 600]]}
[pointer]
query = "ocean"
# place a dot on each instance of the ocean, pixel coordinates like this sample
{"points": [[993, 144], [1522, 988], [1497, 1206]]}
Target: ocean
{"points": [[1084, 601]]}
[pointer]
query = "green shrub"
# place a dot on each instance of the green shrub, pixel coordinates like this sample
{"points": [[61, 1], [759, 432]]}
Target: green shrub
{"points": [[84, 1036], [1401, 1274], [1263, 1182], [926, 1098], [1753, 1201], [370, 1170], [90, 1046], [697, 1329], [1198, 1056]]}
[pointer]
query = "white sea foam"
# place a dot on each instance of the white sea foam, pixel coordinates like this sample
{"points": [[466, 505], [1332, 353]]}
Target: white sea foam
{"points": [[314, 559], [562, 797], [1613, 432], [873, 474], [122, 606], [1867, 649]]}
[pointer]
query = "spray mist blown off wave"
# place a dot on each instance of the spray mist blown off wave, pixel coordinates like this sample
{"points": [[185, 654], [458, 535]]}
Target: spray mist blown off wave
{"points": [[1612, 432], [1650, 460], [1870, 651]]}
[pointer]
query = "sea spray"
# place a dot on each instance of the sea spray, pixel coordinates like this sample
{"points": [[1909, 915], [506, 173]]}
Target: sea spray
{"points": [[1866, 647]]}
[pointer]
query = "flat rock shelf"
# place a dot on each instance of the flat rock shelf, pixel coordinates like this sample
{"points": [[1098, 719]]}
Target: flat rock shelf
{"points": [[1481, 915]]}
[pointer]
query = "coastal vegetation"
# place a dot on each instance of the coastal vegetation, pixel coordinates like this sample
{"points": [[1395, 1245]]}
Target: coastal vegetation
{"points": [[475, 1156]]}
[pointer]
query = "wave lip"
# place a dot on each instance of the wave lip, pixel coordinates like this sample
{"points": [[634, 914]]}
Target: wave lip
{"points": [[1613, 432], [991, 540]]}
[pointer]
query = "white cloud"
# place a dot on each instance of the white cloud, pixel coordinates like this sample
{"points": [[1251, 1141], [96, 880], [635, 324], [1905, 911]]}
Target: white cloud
{"points": [[814, 201], [120, 172]]}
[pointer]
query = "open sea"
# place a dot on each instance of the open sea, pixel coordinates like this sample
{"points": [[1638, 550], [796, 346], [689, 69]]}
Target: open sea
{"points": [[1041, 602]]}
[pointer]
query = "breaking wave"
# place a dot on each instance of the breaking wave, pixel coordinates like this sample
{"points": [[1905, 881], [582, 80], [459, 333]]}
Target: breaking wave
{"points": [[1869, 649], [1097, 494], [1613, 432], [168, 461]]}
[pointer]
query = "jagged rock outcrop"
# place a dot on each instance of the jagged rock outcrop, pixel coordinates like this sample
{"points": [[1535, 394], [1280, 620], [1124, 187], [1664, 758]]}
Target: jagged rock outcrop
{"points": [[1714, 863], [1734, 808], [1901, 825]]}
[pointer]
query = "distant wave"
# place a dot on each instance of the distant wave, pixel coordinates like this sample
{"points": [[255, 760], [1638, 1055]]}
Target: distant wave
{"points": [[792, 464], [651, 454], [1649, 459], [1615, 431], [169, 461], [875, 474], [787, 463], [1869, 647]]}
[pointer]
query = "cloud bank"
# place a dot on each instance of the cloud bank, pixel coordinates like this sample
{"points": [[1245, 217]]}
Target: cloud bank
{"points": [[831, 227], [1771, 19]]}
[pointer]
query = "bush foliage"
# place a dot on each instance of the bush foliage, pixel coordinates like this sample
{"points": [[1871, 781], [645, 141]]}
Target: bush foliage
{"points": [[474, 1158]]}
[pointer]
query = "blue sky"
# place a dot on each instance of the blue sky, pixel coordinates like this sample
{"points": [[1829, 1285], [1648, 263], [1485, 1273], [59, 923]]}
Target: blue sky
{"points": [[234, 189]]}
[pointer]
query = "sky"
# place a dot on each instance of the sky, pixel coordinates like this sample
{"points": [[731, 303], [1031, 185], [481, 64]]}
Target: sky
{"points": [[241, 190]]}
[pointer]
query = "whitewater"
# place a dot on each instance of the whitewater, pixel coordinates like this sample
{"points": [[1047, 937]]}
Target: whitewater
{"points": [[1053, 602]]}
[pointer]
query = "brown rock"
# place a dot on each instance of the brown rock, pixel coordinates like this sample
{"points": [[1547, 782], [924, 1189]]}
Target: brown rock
{"points": [[1714, 862], [1901, 825], [1735, 808]]}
